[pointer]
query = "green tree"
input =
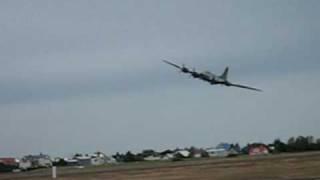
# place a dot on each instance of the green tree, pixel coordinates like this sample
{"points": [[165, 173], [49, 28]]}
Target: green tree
{"points": [[291, 144], [301, 143], [279, 146]]}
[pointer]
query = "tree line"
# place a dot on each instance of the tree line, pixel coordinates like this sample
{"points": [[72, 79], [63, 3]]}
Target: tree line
{"points": [[297, 144]]}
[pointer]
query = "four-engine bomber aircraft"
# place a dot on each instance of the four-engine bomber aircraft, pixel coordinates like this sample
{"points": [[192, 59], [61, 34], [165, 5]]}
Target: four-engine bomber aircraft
{"points": [[210, 77]]}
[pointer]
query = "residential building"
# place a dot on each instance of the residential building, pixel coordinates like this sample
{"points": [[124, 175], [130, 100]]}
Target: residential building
{"points": [[258, 149]]}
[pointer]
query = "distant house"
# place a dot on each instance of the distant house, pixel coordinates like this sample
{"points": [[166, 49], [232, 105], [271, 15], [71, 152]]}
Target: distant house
{"points": [[217, 152], [37, 161], [258, 149], [118, 157], [224, 150], [65, 162], [8, 164], [71, 162], [99, 158], [182, 153], [150, 155], [9, 161], [167, 155], [25, 164], [148, 152], [83, 160], [233, 152], [197, 153], [225, 146], [44, 161], [168, 151], [152, 158], [96, 161]]}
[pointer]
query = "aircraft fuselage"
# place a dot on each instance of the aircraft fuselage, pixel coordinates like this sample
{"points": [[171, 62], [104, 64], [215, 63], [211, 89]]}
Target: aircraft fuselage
{"points": [[210, 77]]}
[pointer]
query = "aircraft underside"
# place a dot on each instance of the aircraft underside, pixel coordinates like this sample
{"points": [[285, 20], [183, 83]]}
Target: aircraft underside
{"points": [[210, 77]]}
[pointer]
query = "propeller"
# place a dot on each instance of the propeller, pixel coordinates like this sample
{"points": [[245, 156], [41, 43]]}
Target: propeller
{"points": [[194, 73], [184, 69]]}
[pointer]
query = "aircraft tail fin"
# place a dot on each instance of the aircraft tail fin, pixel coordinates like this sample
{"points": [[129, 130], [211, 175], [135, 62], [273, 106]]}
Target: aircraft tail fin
{"points": [[225, 74]]}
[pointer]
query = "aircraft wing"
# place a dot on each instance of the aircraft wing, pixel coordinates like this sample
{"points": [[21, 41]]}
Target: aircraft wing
{"points": [[245, 87], [172, 64]]}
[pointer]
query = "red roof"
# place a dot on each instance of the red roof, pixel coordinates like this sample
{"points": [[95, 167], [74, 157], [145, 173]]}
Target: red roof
{"points": [[8, 161], [258, 150]]}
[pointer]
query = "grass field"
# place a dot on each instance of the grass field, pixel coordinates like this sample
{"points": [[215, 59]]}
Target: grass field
{"points": [[298, 166]]}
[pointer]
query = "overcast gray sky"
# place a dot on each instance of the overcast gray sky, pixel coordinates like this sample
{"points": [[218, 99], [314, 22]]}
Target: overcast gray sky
{"points": [[81, 76]]}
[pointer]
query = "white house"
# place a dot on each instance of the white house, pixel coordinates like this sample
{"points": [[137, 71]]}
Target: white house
{"points": [[83, 160], [152, 158], [100, 158], [44, 162], [217, 152], [96, 161], [25, 164], [71, 162], [168, 156], [182, 153], [37, 161]]}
